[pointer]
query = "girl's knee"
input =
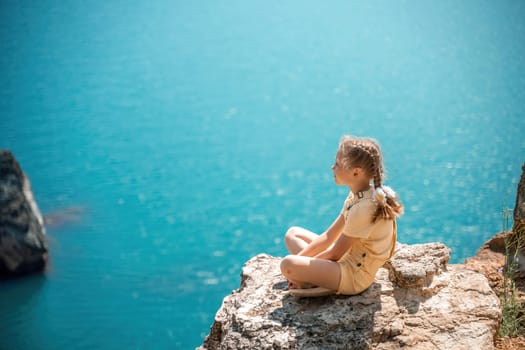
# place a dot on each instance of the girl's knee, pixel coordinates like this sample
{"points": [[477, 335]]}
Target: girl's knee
{"points": [[287, 265], [291, 234]]}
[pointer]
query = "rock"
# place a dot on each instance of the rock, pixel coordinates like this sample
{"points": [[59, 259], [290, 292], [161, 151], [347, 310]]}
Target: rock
{"points": [[416, 265], [516, 237], [519, 207], [490, 261], [23, 246], [422, 305]]}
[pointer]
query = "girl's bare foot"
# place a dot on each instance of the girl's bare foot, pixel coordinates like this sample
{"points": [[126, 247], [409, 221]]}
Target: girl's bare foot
{"points": [[293, 285]]}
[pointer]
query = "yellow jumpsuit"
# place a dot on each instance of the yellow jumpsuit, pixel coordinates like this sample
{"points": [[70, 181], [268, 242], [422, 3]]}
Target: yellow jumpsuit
{"points": [[375, 244]]}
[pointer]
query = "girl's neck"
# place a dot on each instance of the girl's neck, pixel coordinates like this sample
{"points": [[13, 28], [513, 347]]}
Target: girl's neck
{"points": [[360, 188]]}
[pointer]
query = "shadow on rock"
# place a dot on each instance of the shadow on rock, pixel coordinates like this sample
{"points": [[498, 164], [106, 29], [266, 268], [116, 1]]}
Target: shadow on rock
{"points": [[333, 322]]}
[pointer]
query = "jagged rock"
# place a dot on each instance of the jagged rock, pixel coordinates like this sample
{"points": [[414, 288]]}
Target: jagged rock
{"points": [[490, 261], [519, 208], [416, 265], [448, 308], [23, 246]]}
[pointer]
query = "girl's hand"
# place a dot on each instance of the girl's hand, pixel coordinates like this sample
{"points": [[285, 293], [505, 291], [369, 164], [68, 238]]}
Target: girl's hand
{"points": [[336, 251]]}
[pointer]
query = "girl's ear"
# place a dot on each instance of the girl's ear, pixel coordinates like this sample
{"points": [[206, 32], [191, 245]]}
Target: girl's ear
{"points": [[357, 171]]}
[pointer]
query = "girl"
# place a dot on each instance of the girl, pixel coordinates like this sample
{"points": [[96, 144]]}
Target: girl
{"points": [[345, 258]]}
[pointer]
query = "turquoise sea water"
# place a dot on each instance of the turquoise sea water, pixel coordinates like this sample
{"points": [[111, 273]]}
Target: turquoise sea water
{"points": [[192, 134]]}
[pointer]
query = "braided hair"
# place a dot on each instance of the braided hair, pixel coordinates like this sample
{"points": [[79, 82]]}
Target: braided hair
{"points": [[365, 153]]}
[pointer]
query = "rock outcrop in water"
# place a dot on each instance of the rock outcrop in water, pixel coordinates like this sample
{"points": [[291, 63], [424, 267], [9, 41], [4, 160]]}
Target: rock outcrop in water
{"points": [[416, 302], [23, 247]]}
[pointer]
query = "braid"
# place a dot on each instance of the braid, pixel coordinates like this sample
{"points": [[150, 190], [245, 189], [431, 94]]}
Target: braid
{"points": [[378, 178], [378, 168]]}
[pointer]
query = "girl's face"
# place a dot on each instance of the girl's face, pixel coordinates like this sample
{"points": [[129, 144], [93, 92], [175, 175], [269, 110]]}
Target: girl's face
{"points": [[342, 176], [352, 177]]}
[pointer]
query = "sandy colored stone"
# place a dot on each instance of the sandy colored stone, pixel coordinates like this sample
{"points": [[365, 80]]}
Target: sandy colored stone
{"points": [[415, 265], [490, 261], [452, 308]]}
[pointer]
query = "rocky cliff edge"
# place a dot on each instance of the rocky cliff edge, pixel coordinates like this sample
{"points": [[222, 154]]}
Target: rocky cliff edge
{"points": [[418, 301]]}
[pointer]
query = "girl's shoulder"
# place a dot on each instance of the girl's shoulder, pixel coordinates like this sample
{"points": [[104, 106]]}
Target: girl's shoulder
{"points": [[365, 204], [364, 208]]}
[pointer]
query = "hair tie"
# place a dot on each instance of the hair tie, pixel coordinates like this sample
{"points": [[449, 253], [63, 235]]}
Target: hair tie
{"points": [[381, 193], [389, 192]]}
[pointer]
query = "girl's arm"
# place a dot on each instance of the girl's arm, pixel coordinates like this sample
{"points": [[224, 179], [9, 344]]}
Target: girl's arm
{"points": [[323, 241], [336, 251]]}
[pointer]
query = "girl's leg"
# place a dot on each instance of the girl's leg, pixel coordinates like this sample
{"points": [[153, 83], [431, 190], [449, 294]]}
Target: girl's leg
{"points": [[303, 270], [297, 238]]}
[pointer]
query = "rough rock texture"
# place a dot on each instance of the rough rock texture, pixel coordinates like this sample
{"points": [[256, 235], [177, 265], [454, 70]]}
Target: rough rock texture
{"points": [[490, 261], [519, 208], [416, 265], [23, 246], [515, 239], [413, 304]]}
